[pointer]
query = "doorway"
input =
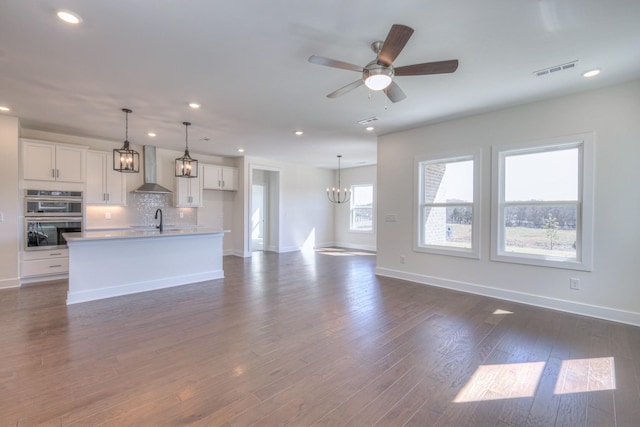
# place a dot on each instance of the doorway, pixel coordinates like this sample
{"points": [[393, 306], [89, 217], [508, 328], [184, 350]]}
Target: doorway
{"points": [[264, 203]]}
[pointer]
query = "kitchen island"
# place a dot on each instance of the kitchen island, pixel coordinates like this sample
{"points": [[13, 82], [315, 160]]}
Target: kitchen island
{"points": [[104, 264]]}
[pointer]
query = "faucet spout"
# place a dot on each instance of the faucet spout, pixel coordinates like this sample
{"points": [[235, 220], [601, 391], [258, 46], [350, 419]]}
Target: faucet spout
{"points": [[159, 226]]}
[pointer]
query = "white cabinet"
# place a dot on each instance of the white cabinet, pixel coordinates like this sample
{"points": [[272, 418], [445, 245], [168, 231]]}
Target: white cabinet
{"points": [[45, 161], [104, 185], [189, 191], [44, 263], [219, 178]]}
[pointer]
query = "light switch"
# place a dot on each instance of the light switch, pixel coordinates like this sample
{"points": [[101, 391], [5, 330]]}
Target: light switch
{"points": [[107, 215], [1, 216]]}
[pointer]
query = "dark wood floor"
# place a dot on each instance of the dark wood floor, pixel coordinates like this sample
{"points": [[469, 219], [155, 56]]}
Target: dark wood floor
{"points": [[309, 339]]}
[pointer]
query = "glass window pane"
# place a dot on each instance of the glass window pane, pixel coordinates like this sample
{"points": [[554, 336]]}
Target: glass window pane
{"points": [[362, 195], [541, 230], [361, 208], [450, 226], [448, 182], [362, 219], [542, 176]]}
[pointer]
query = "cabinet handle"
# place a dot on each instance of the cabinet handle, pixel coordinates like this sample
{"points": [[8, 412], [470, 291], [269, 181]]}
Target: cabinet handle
{"points": [[57, 173], [54, 254], [55, 266], [53, 173], [107, 197], [223, 184]]}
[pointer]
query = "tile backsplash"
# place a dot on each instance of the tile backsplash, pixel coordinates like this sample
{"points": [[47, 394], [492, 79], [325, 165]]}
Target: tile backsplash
{"points": [[140, 211]]}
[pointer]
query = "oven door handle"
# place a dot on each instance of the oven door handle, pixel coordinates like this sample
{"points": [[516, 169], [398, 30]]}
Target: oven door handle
{"points": [[53, 199]]}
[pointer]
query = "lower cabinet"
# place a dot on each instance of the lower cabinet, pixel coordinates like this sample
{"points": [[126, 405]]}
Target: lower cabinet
{"points": [[40, 264]]}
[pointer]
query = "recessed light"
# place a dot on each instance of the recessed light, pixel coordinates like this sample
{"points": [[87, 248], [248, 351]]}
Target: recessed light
{"points": [[151, 134], [4, 109], [370, 128], [69, 17], [240, 150], [591, 73], [194, 105], [299, 132]]}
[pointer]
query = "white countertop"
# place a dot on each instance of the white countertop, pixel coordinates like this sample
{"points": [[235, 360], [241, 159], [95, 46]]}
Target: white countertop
{"points": [[138, 234]]}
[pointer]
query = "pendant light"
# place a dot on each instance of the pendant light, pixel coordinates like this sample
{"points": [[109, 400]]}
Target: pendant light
{"points": [[186, 167], [334, 194], [125, 159]]}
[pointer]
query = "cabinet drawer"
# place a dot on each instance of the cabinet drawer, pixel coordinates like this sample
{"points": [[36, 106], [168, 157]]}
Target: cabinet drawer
{"points": [[53, 253], [41, 267]]}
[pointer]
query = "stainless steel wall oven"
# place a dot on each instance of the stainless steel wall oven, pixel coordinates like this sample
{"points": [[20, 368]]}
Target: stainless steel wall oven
{"points": [[47, 215]]}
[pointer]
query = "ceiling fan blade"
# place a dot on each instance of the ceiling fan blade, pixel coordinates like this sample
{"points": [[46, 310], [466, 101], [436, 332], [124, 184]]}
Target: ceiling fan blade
{"points": [[439, 67], [345, 89], [321, 60], [394, 93], [394, 43]]}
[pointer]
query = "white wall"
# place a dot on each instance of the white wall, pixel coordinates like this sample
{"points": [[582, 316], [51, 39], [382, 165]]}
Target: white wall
{"points": [[344, 237], [306, 217], [611, 290], [9, 202]]}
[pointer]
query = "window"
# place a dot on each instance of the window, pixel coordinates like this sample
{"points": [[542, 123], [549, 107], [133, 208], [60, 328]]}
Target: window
{"points": [[448, 205], [542, 204], [361, 216]]}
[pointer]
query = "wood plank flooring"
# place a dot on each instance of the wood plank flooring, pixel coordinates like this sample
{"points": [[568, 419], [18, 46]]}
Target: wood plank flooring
{"points": [[309, 339]]}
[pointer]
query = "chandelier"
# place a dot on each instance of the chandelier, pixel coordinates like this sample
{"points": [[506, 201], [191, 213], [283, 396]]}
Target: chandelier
{"points": [[126, 159], [335, 195], [186, 166]]}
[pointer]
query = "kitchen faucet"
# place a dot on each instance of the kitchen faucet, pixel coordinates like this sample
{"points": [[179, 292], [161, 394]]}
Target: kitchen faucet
{"points": [[159, 226]]}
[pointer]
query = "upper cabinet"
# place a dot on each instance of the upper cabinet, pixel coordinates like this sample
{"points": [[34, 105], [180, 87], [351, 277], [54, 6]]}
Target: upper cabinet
{"points": [[189, 191], [216, 177], [45, 161], [104, 185]]}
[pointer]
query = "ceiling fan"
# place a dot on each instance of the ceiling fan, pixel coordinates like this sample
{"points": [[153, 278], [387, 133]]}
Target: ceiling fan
{"points": [[378, 74]]}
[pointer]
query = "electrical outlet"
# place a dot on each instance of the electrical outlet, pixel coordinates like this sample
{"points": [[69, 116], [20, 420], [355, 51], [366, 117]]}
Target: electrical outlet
{"points": [[107, 215], [403, 259], [1, 216], [574, 284], [181, 214]]}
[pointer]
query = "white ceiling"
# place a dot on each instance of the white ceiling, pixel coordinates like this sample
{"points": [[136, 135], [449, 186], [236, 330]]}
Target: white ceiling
{"points": [[246, 63]]}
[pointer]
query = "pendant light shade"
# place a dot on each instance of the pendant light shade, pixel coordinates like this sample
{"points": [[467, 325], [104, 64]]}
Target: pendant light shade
{"points": [[186, 167], [126, 159], [335, 195]]}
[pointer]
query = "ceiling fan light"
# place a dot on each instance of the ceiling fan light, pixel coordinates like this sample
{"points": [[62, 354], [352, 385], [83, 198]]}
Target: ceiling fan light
{"points": [[377, 77]]}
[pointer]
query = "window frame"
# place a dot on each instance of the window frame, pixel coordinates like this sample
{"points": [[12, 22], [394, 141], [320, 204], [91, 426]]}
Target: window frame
{"points": [[584, 204], [373, 211], [474, 155]]}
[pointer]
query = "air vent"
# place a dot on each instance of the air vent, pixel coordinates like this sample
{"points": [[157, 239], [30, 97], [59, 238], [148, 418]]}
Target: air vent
{"points": [[555, 69], [369, 120]]}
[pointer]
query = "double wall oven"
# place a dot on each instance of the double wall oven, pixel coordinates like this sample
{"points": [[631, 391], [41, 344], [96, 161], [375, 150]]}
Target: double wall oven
{"points": [[48, 214]]}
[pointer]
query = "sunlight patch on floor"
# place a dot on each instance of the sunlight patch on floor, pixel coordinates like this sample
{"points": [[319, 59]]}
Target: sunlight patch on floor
{"points": [[583, 375], [505, 381]]}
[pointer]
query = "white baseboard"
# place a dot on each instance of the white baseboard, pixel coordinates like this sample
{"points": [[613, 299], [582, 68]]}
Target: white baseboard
{"points": [[236, 252], [133, 288], [356, 246], [38, 279], [325, 245], [285, 249], [9, 283], [596, 311]]}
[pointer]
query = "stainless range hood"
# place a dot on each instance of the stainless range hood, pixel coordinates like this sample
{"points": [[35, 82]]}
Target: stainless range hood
{"points": [[150, 185]]}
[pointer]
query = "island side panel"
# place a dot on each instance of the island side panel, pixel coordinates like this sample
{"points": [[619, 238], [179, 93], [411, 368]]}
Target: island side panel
{"points": [[113, 267]]}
